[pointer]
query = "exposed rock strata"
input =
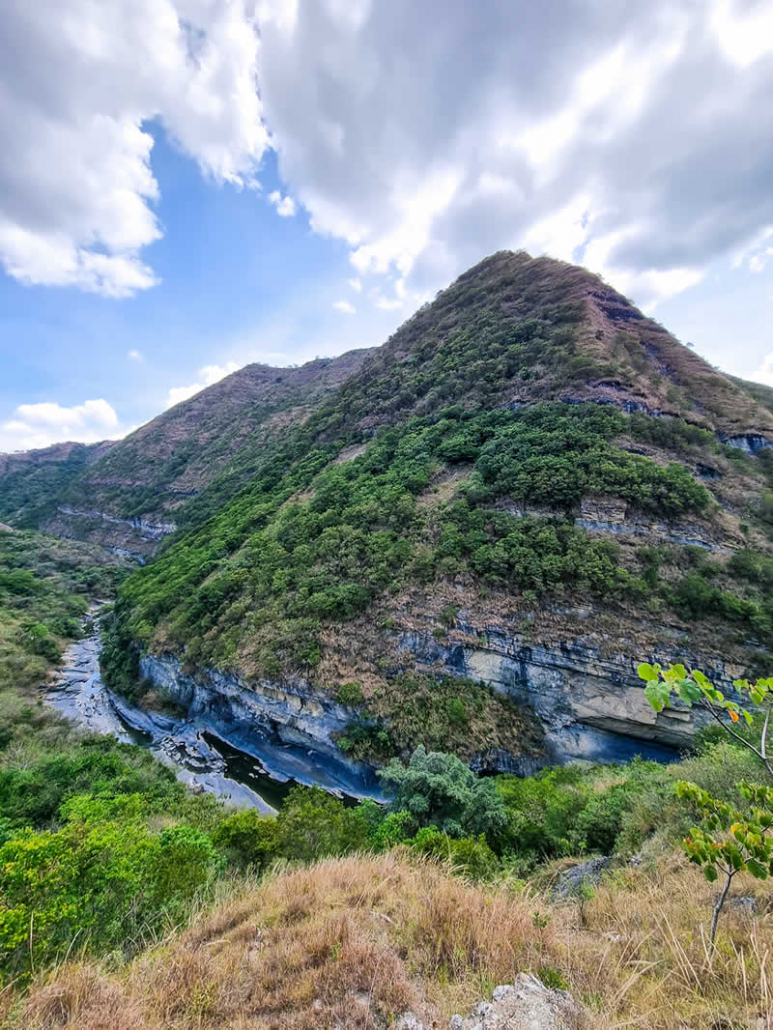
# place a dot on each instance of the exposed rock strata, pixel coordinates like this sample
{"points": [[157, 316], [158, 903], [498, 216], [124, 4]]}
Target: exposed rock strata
{"points": [[292, 714], [612, 515], [591, 706], [135, 538]]}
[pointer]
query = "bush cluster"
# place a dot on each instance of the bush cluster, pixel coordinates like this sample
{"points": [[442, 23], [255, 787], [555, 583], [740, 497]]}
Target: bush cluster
{"points": [[315, 542]]}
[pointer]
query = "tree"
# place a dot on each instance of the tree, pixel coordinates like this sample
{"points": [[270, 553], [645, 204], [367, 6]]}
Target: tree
{"points": [[313, 824], [694, 688], [732, 842], [729, 841], [439, 790]]}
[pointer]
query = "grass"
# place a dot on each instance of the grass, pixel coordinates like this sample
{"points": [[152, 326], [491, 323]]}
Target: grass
{"points": [[354, 942]]}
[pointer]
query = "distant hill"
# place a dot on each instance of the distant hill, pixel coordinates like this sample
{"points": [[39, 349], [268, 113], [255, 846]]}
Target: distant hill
{"points": [[529, 486], [31, 481], [176, 469]]}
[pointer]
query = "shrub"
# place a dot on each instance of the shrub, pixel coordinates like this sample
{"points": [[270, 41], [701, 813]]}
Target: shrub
{"points": [[248, 838], [470, 855], [313, 824], [439, 790], [350, 694]]}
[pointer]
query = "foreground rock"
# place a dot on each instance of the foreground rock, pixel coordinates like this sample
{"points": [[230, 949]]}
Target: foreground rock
{"points": [[525, 1005]]}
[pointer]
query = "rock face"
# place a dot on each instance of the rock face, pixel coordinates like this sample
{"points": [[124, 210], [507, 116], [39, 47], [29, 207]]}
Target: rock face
{"points": [[591, 706], [571, 882], [136, 538], [292, 715], [525, 1004], [750, 443]]}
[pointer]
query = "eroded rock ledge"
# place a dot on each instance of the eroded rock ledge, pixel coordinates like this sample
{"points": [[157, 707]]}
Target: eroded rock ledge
{"points": [[291, 714], [590, 706]]}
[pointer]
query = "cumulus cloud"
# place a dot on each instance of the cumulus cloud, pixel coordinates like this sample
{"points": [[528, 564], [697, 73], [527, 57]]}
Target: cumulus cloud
{"points": [[355, 284], [345, 306], [208, 376], [80, 84], [764, 374], [635, 137], [285, 206], [39, 425], [135, 355]]}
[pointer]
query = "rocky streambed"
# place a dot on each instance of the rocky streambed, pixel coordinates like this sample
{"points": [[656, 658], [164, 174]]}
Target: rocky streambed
{"points": [[243, 764]]}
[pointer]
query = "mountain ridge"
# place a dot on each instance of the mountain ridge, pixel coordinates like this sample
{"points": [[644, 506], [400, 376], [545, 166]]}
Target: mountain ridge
{"points": [[129, 495], [520, 488]]}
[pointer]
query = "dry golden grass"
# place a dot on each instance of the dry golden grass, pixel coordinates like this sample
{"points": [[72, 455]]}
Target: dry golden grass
{"points": [[638, 953], [351, 943], [347, 943]]}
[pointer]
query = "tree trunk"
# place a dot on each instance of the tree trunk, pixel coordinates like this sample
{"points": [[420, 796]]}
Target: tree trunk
{"points": [[719, 904]]}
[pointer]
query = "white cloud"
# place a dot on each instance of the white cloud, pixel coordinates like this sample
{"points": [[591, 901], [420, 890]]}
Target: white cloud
{"points": [[208, 376], [388, 303], [285, 206], [605, 132], [345, 306], [764, 374], [135, 355], [39, 425], [355, 285], [590, 131], [81, 82]]}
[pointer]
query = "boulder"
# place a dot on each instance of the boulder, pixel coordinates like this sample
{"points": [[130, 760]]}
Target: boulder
{"points": [[526, 1004]]}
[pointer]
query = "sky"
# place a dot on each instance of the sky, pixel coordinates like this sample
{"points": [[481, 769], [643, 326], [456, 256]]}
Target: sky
{"points": [[190, 185]]}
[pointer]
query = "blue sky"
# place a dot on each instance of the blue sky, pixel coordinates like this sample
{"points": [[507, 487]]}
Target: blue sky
{"points": [[190, 185], [238, 283]]}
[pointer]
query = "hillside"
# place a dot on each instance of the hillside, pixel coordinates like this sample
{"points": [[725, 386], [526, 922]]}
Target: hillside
{"points": [[357, 942], [183, 465], [527, 489], [31, 481], [761, 393]]}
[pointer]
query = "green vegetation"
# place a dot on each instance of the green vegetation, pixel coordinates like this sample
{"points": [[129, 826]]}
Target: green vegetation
{"points": [[318, 543], [730, 840], [199, 454], [439, 790], [45, 589], [30, 490], [442, 713]]}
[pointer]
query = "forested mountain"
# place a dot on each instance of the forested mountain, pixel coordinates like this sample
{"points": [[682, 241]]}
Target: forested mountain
{"points": [[467, 540], [176, 469], [32, 481], [526, 488]]}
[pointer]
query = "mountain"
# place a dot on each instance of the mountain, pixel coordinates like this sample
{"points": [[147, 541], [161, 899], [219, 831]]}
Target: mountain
{"points": [[471, 543], [182, 466], [31, 481], [761, 393]]}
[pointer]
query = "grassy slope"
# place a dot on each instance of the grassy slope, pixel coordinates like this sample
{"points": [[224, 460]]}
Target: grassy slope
{"points": [[417, 524], [46, 586], [351, 943], [761, 393], [213, 439]]}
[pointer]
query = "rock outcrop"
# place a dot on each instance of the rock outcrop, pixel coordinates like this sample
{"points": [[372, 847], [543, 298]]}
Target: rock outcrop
{"points": [[136, 538], [591, 706], [526, 1004], [291, 715]]}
